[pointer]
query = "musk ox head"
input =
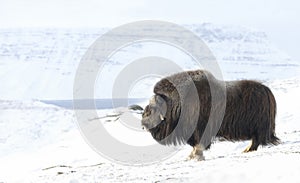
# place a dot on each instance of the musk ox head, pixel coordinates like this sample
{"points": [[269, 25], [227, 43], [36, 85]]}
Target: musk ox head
{"points": [[154, 113]]}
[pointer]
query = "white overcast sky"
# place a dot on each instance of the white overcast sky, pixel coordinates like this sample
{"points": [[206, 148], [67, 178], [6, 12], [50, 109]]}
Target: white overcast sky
{"points": [[278, 18]]}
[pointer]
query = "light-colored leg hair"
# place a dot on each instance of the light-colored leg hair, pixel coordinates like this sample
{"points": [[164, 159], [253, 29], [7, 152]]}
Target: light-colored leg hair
{"points": [[252, 147], [248, 148], [197, 153]]}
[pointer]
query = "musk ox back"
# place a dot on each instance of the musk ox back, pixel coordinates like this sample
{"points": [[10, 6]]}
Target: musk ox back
{"points": [[249, 112]]}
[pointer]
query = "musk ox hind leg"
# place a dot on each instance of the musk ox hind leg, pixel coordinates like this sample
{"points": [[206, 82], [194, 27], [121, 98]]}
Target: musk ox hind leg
{"points": [[197, 153], [255, 143], [253, 146]]}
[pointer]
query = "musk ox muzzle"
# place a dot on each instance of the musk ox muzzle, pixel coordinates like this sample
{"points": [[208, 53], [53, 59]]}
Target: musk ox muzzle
{"points": [[249, 112]]}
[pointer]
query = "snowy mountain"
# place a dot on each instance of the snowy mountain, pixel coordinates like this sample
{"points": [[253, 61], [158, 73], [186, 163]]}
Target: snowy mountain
{"points": [[41, 63], [231, 43]]}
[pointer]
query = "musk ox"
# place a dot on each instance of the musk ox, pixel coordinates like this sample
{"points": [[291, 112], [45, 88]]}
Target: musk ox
{"points": [[177, 116]]}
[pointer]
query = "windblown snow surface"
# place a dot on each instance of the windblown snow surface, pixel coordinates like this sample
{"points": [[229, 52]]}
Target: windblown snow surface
{"points": [[41, 142]]}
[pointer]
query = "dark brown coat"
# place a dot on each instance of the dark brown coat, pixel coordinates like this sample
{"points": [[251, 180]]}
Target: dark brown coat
{"points": [[250, 111]]}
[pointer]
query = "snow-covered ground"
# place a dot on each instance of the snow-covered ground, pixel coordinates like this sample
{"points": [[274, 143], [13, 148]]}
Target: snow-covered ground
{"points": [[41, 142]]}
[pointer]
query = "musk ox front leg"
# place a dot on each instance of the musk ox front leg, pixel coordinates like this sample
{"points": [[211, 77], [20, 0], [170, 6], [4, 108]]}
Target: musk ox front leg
{"points": [[197, 153]]}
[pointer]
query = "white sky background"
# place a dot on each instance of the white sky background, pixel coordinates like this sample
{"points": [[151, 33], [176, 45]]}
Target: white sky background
{"points": [[278, 18]]}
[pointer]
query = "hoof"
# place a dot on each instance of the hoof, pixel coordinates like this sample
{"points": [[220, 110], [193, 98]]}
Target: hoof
{"points": [[195, 157], [197, 153], [199, 158], [252, 147], [246, 150]]}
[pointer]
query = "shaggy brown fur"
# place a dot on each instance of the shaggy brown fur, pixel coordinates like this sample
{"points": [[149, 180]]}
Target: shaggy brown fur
{"points": [[176, 116]]}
